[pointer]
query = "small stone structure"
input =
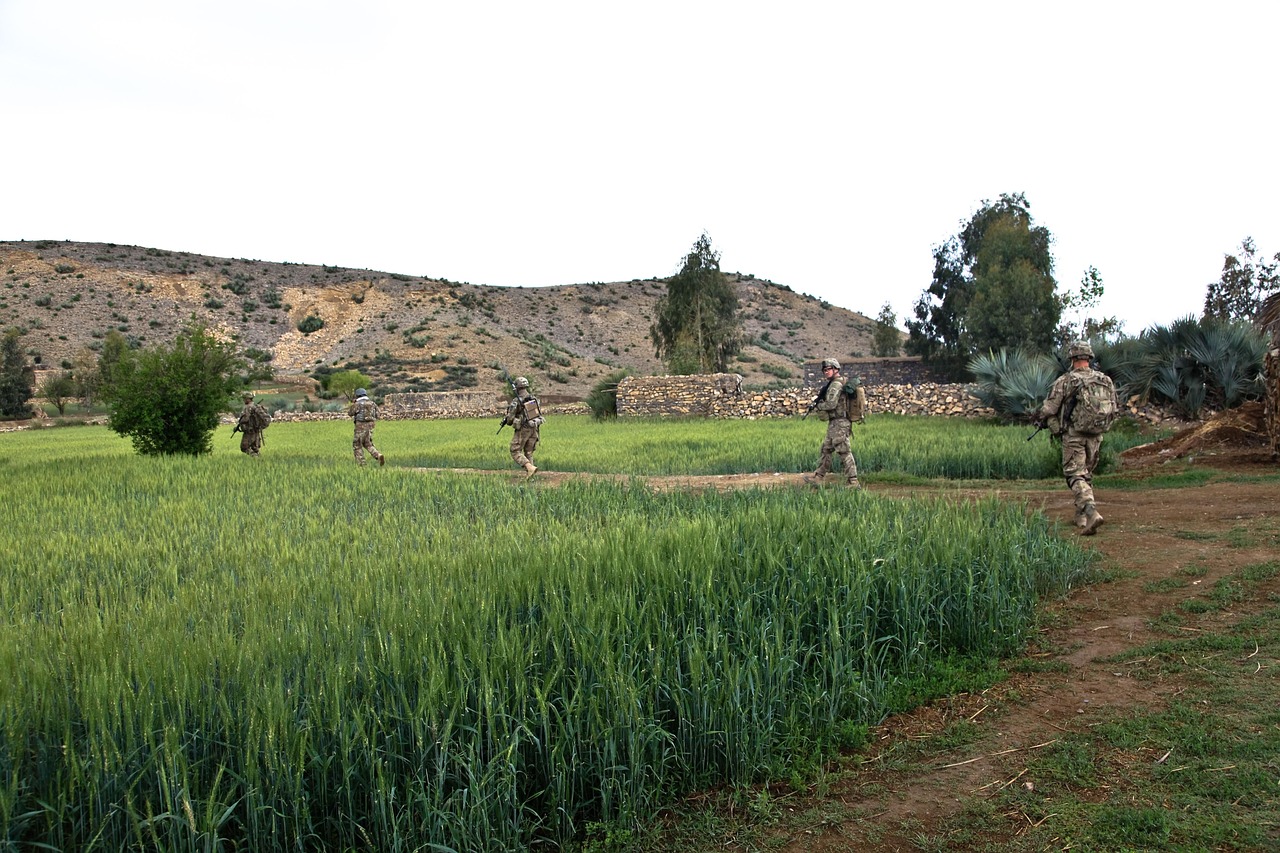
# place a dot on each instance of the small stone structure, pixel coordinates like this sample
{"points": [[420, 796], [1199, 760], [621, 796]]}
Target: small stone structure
{"points": [[699, 394]]}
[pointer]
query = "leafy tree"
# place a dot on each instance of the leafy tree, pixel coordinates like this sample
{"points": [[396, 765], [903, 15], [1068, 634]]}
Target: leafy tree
{"points": [[697, 329], [59, 389], [16, 377], [1080, 303], [992, 287], [1247, 280], [115, 349], [1014, 303], [885, 341], [345, 382], [167, 399], [87, 376]]}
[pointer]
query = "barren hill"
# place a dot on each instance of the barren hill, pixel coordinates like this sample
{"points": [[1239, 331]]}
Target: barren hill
{"points": [[406, 332]]}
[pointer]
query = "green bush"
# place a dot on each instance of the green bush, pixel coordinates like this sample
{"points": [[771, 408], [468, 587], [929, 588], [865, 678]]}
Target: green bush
{"points": [[167, 400], [311, 323], [603, 399]]}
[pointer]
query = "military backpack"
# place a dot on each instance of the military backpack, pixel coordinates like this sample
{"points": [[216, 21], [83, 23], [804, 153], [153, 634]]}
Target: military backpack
{"points": [[1095, 404], [854, 400]]}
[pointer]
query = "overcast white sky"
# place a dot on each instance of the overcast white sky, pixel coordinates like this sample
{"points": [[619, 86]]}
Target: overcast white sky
{"points": [[827, 146]]}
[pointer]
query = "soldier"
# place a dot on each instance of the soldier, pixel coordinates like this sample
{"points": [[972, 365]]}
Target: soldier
{"points": [[1080, 407], [832, 404], [251, 423], [365, 413], [524, 413]]}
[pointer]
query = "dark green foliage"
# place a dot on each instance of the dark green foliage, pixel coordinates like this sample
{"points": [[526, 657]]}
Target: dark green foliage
{"points": [[16, 377], [1190, 363], [697, 328], [167, 400], [1013, 382], [992, 287], [310, 323], [603, 399]]}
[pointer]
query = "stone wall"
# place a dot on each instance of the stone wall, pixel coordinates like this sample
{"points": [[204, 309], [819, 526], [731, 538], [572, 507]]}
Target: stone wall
{"points": [[720, 395], [442, 404], [677, 395]]}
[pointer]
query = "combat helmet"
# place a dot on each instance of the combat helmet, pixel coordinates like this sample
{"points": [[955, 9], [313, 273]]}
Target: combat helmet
{"points": [[520, 382], [830, 362], [247, 396], [360, 392], [1080, 349]]}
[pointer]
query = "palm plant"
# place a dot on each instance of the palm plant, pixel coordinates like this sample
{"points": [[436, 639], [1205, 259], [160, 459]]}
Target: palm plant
{"points": [[1190, 363], [1013, 382]]}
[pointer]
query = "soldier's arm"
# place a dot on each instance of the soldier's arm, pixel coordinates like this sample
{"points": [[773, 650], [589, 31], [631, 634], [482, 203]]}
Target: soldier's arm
{"points": [[831, 398]]}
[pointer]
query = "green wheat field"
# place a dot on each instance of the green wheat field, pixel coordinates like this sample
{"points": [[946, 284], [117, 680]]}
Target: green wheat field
{"points": [[293, 653]]}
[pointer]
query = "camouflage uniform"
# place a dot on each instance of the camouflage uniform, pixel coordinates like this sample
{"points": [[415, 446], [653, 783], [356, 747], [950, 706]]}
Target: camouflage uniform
{"points": [[251, 436], [365, 413], [839, 428], [526, 424], [1079, 450]]}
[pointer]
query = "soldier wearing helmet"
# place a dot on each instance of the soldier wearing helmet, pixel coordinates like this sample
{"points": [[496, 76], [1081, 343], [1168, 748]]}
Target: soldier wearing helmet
{"points": [[252, 422], [524, 414], [1079, 409], [830, 404], [364, 412]]}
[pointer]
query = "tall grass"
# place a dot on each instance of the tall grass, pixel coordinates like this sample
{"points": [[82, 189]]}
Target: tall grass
{"points": [[222, 653]]}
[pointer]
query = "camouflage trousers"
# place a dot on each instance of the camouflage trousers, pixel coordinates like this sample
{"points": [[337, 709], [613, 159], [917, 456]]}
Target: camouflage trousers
{"points": [[251, 441], [1079, 459], [364, 441], [839, 437], [523, 443]]}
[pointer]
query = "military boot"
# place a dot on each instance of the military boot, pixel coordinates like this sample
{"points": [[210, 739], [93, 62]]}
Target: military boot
{"points": [[854, 484], [530, 468], [814, 479], [1092, 520]]}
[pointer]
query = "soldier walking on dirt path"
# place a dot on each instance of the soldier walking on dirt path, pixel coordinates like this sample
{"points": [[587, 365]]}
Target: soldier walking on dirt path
{"points": [[831, 403], [524, 414], [365, 414], [1079, 409]]}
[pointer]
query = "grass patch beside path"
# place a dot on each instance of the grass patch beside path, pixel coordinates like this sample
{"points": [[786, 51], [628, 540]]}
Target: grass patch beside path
{"points": [[1202, 773]]}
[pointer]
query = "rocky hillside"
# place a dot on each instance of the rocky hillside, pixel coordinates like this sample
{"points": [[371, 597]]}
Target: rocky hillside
{"points": [[406, 332]]}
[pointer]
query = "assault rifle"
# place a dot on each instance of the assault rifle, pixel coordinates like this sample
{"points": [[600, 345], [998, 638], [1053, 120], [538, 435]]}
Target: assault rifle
{"points": [[812, 406], [235, 430], [1040, 427], [501, 426]]}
